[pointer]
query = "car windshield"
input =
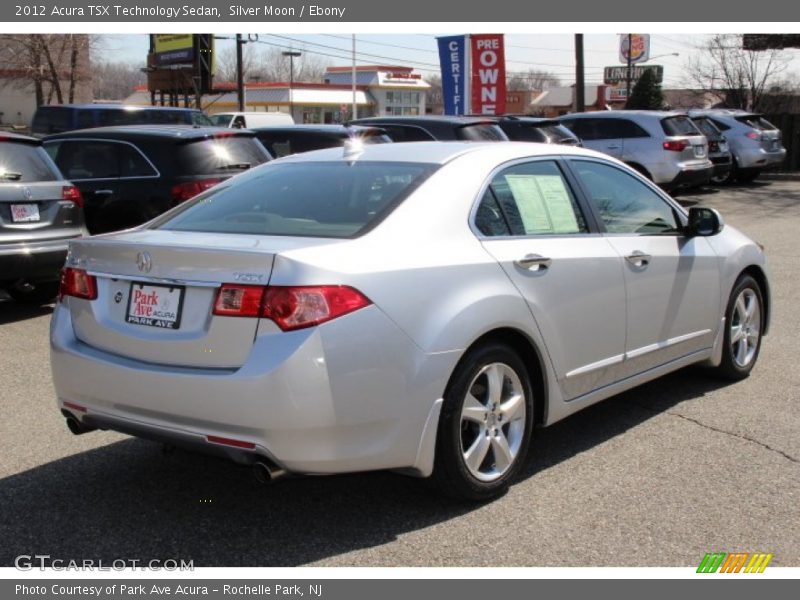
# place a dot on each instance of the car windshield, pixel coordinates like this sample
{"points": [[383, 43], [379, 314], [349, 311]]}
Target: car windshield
{"points": [[309, 199], [757, 122], [24, 162], [220, 120], [679, 126], [481, 132]]}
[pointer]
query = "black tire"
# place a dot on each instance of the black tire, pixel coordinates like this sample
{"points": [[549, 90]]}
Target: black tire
{"points": [[727, 178], [747, 175], [451, 473], [731, 368], [34, 294]]}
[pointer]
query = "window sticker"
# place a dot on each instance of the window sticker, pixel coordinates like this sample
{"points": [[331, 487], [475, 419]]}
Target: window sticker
{"points": [[544, 204]]}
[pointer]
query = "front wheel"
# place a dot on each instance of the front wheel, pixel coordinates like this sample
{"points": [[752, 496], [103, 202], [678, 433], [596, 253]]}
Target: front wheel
{"points": [[744, 324], [485, 426]]}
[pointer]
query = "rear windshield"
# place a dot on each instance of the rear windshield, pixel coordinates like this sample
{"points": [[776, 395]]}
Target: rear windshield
{"points": [[558, 134], [707, 128], [756, 122], [481, 132], [25, 162], [225, 154], [679, 126], [52, 119], [309, 199]]}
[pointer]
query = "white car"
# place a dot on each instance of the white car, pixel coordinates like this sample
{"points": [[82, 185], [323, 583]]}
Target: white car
{"points": [[417, 307]]}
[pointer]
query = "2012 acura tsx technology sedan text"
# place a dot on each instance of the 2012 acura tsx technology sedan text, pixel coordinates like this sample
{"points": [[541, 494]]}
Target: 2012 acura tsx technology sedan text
{"points": [[417, 307]]}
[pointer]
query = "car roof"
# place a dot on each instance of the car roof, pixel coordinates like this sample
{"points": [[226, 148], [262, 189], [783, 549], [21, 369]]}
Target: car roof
{"points": [[178, 132], [608, 114], [9, 136], [723, 112], [109, 105], [440, 152], [422, 119], [318, 128]]}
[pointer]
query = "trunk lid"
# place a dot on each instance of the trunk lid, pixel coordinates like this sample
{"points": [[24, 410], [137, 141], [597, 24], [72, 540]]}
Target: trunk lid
{"points": [[156, 292], [37, 211]]}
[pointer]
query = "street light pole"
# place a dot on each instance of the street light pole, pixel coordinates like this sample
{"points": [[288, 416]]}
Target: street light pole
{"points": [[629, 74], [239, 71], [292, 55]]}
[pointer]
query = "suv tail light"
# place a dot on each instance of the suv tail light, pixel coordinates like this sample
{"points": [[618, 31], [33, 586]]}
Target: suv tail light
{"points": [[73, 194], [676, 145], [290, 307], [184, 191], [77, 283], [753, 135]]}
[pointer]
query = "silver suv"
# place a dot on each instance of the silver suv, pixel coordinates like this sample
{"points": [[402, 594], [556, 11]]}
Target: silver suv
{"points": [[666, 147], [754, 142]]}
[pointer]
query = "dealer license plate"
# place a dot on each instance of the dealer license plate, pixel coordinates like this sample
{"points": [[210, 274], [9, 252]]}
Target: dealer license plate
{"points": [[155, 305], [24, 213]]}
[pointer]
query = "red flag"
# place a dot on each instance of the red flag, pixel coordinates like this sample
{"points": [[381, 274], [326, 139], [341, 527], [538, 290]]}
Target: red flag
{"points": [[488, 66]]}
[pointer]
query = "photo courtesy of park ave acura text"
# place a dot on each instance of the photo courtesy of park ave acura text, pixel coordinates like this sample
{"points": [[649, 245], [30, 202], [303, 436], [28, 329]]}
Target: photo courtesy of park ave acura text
{"points": [[465, 295]]}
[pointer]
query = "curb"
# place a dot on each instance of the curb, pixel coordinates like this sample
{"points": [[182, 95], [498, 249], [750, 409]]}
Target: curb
{"points": [[793, 176]]}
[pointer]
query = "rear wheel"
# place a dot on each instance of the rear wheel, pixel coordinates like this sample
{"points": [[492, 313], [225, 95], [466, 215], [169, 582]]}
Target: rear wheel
{"points": [[744, 323], [727, 177], [42, 292], [485, 426]]}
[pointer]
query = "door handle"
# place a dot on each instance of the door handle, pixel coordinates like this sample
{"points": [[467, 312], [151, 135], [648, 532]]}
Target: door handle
{"points": [[103, 192], [613, 147], [638, 258], [533, 260]]}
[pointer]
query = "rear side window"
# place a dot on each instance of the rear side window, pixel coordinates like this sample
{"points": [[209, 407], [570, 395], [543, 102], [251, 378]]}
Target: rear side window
{"points": [[225, 154], [529, 199], [88, 159], [24, 163], [52, 119], [756, 122], [481, 132], [316, 199], [132, 163], [679, 126]]}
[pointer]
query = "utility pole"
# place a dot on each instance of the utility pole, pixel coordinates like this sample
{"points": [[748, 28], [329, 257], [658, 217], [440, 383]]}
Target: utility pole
{"points": [[292, 55], [239, 71], [580, 85], [354, 112], [629, 74]]}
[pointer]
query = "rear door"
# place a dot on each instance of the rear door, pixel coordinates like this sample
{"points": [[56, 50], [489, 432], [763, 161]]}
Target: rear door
{"points": [[530, 221], [93, 166], [603, 135], [672, 282]]}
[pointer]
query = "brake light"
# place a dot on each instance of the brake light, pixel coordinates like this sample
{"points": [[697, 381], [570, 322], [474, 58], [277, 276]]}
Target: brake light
{"points": [[73, 194], [753, 135], [289, 307], [306, 306], [239, 300], [184, 191], [676, 145], [77, 283]]}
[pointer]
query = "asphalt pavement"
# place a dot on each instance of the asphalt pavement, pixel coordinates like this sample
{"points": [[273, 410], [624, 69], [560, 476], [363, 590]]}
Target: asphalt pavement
{"points": [[657, 476]]}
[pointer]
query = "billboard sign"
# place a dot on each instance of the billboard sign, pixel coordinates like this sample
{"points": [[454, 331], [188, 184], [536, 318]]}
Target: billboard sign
{"points": [[612, 75], [488, 74], [453, 62], [173, 48], [639, 50]]}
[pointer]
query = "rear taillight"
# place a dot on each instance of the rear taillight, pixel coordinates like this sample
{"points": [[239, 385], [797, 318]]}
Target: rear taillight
{"points": [[289, 307], [239, 300], [73, 194], [77, 283], [753, 135], [676, 145], [190, 189]]}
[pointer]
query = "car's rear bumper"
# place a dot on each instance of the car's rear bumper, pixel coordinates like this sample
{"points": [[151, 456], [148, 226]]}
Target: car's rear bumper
{"points": [[723, 163], [40, 261], [342, 397], [758, 158], [691, 176]]}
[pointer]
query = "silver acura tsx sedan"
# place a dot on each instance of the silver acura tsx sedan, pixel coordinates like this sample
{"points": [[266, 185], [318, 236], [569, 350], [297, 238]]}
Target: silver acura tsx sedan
{"points": [[417, 307]]}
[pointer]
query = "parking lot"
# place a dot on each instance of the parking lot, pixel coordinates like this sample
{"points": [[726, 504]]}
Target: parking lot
{"points": [[657, 476]]}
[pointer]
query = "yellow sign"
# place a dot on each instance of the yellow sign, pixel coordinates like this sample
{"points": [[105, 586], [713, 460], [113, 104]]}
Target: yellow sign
{"points": [[168, 42]]}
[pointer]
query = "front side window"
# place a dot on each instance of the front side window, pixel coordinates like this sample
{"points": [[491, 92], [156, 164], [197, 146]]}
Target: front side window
{"points": [[625, 204], [529, 199], [312, 199]]}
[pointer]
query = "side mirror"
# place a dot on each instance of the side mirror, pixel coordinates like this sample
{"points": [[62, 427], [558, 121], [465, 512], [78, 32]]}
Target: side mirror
{"points": [[704, 222]]}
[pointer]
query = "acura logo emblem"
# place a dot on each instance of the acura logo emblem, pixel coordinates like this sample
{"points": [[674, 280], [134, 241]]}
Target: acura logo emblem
{"points": [[144, 262]]}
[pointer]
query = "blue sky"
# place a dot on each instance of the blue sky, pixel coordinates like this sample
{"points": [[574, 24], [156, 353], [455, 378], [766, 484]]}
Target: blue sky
{"points": [[550, 52]]}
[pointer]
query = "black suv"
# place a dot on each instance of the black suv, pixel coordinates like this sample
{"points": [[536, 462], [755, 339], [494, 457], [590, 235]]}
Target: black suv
{"points": [[536, 129], [129, 175], [437, 127], [291, 139], [39, 214]]}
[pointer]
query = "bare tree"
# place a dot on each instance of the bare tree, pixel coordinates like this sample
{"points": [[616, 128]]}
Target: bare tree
{"points": [[273, 66], [116, 80], [741, 76], [226, 62], [532, 79]]}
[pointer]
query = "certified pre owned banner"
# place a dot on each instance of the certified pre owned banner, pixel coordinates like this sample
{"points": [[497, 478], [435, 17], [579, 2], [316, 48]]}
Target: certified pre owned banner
{"points": [[453, 61], [488, 78]]}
